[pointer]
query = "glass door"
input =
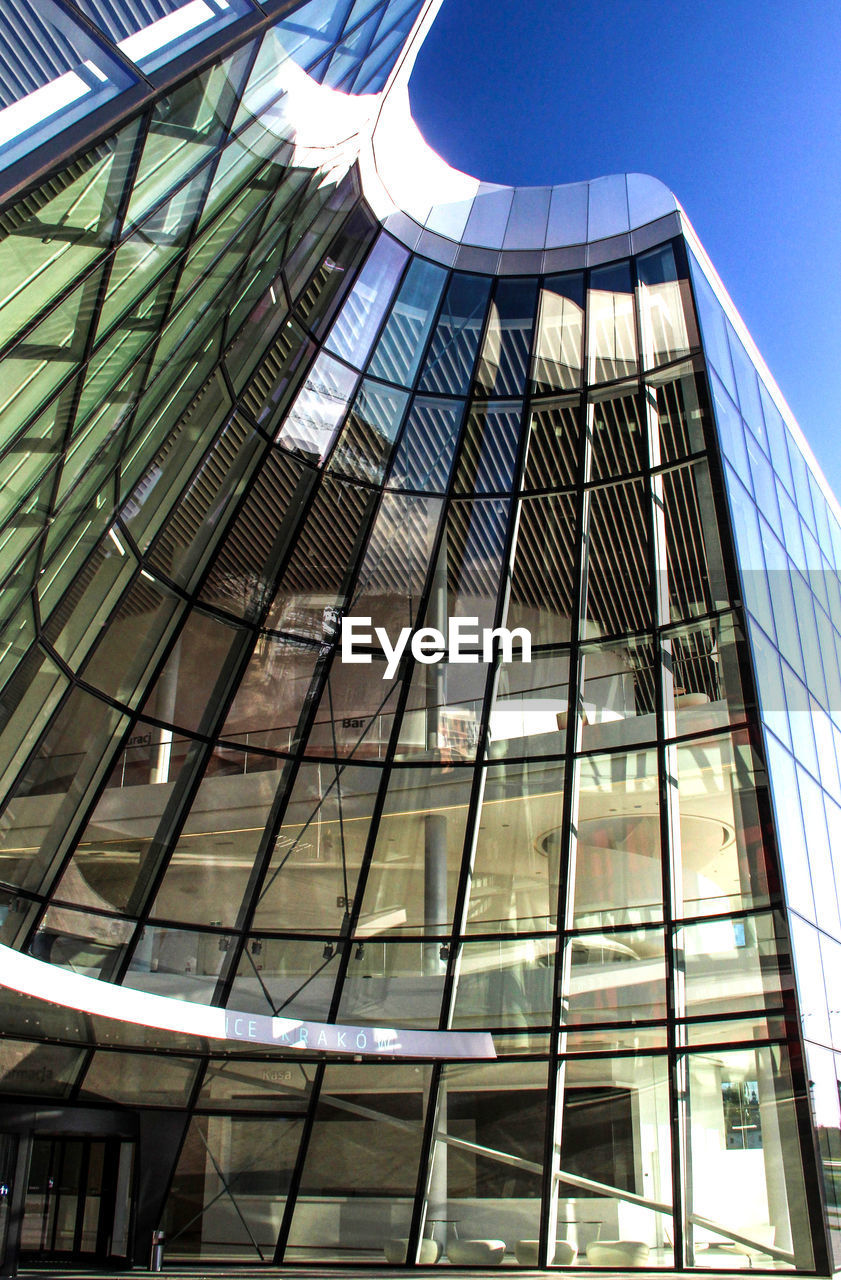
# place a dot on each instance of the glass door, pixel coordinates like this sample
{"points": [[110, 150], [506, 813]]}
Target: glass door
{"points": [[72, 1199]]}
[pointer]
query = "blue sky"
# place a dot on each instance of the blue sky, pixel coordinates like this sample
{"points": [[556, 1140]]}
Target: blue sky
{"points": [[735, 106]]}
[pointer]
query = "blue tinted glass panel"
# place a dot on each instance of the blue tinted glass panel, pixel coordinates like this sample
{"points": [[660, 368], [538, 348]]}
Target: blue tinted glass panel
{"points": [[713, 331]]}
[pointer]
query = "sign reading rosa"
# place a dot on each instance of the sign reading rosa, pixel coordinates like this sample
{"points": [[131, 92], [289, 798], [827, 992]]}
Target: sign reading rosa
{"points": [[462, 642]]}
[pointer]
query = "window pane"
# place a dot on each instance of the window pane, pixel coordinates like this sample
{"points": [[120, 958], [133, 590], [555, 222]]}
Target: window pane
{"points": [[530, 707], [229, 1191], [612, 344], [396, 564], [490, 1113], [725, 866], [425, 454], [401, 346], [618, 694], [310, 884], [618, 434], [735, 966], [741, 1112], [542, 595], [372, 426], [617, 872], [560, 335], [668, 329], [618, 580], [616, 977], [449, 363], [311, 424], [554, 445], [414, 871], [612, 1118], [507, 982], [489, 448], [503, 364], [516, 866], [358, 1183], [289, 977], [355, 328]]}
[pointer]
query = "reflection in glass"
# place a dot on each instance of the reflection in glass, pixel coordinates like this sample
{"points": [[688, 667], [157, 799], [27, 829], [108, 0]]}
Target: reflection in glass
{"points": [[358, 1183], [611, 344], [399, 350], [553, 444], [666, 313], [355, 714], [695, 567], [425, 454], [241, 578], [310, 883], [57, 785], [396, 563], [468, 572], [514, 878], [198, 665], [489, 448], [413, 873], [211, 866], [487, 1161], [617, 877], [452, 351], [364, 446], [314, 588], [615, 977], [82, 942], [443, 716], [311, 424], [355, 328], [237, 1085], [681, 409], [46, 1069], [290, 977], [178, 962], [543, 581], [272, 694], [618, 694], [731, 965], [611, 1202], [725, 865], [560, 334], [229, 1191], [186, 126], [618, 433], [706, 668], [742, 1136], [120, 846], [503, 364], [390, 984], [618, 579], [529, 712], [505, 982], [126, 1078]]}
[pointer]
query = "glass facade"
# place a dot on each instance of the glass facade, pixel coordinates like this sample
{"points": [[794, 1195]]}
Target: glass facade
{"points": [[243, 414]]}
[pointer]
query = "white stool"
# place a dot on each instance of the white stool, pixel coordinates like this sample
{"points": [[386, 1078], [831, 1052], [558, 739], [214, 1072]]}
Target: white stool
{"points": [[617, 1253], [397, 1248], [476, 1253], [527, 1253]]}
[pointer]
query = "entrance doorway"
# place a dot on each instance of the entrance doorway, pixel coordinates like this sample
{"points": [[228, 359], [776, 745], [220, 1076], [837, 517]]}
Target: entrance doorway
{"points": [[78, 1200]]}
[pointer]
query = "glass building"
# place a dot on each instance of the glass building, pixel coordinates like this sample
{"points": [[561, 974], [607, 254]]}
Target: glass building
{"points": [[422, 958]]}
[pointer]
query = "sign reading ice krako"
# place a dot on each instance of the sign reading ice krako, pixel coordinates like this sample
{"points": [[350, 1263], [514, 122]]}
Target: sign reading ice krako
{"points": [[378, 1041]]}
